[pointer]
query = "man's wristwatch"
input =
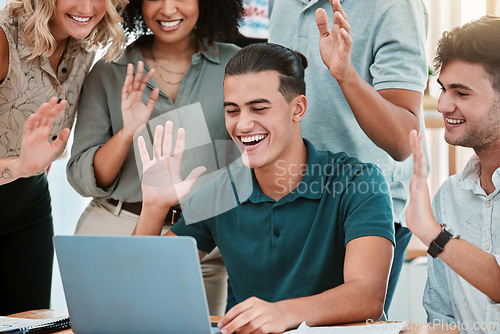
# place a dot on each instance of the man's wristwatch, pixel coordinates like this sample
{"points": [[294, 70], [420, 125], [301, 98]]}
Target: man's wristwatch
{"points": [[437, 245]]}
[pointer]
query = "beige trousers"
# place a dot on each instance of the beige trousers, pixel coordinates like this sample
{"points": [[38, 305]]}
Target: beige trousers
{"points": [[102, 218]]}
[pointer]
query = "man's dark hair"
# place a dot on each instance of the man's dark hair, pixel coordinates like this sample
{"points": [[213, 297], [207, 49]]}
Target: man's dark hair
{"points": [[218, 20], [260, 57], [475, 42]]}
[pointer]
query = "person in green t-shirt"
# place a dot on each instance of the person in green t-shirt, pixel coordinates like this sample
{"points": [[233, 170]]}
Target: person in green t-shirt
{"points": [[310, 235]]}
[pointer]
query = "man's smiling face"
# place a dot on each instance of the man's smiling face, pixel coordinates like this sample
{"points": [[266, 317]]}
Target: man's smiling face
{"points": [[259, 118], [469, 104]]}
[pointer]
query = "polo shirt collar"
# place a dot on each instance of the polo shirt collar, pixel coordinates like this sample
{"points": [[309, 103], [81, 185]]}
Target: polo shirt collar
{"points": [[316, 174], [133, 54]]}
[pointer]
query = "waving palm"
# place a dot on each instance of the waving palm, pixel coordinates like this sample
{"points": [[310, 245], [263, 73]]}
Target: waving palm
{"points": [[134, 112], [335, 45], [36, 151], [162, 183]]}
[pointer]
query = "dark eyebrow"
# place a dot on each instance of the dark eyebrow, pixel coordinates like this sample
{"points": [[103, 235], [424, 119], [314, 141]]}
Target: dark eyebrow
{"points": [[226, 104], [258, 101], [456, 86]]}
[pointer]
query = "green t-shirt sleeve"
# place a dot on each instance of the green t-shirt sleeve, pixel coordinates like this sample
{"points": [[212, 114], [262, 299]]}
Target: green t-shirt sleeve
{"points": [[367, 204], [199, 231]]}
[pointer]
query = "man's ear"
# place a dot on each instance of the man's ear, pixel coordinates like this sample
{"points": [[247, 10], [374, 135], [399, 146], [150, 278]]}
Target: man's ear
{"points": [[299, 107]]}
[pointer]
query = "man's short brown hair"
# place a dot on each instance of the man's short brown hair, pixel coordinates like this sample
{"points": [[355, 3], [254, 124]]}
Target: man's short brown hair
{"points": [[475, 42]]}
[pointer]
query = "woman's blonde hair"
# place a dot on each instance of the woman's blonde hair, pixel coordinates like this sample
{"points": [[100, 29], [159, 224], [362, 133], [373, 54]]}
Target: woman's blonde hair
{"points": [[34, 17]]}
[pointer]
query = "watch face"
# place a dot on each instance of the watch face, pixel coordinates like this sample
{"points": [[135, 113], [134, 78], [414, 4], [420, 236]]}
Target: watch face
{"points": [[450, 230]]}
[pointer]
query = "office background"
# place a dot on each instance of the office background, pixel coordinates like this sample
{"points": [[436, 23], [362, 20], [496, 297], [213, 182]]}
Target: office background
{"points": [[443, 14]]}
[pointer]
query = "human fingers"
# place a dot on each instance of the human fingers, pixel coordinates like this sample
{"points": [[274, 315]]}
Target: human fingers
{"points": [[60, 140], [31, 124], [138, 75], [186, 185], [167, 138], [413, 147], [237, 316], [40, 116], [153, 98], [46, 108], [180, 144], [194, 175], [248, 321], [258, 325], [157, 142], [421, 158], [127, 84], [347, 40], [143, 152], [322, 22], [413, 141], [233, 313], [341, 22], [146, 79], [47, 116], [337, 7]]}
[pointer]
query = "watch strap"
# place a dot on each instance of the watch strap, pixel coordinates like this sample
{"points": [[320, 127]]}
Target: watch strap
{"points": [[437, 245]]}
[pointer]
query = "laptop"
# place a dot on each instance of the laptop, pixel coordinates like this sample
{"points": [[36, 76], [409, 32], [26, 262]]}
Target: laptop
{"points": [[133, 284]]}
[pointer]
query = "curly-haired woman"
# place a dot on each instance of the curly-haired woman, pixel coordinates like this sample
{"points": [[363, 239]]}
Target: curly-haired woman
{"points": [[45, 52], [180, 40]]}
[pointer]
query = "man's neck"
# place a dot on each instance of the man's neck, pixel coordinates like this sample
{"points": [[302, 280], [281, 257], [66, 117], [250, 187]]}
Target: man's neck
{"points": [[490, 161], [280, 178]]}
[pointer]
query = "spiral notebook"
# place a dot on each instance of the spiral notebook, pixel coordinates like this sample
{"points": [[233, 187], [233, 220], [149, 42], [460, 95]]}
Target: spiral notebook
{"points": [[21, 325]]}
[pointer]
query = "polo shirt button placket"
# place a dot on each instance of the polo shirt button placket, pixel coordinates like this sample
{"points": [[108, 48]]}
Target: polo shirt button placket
{"points": [[276, 233]]}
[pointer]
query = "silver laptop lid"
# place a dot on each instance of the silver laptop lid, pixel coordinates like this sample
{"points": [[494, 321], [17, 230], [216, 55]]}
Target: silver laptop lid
{"points": [[133, 284]]}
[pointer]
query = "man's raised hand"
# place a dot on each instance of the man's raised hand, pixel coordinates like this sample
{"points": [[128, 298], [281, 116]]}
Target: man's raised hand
{"points": [[162, 184], [335, 45]]}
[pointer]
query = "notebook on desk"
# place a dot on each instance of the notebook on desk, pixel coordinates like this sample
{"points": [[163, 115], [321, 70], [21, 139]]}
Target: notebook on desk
{"points": [[133, 284]]}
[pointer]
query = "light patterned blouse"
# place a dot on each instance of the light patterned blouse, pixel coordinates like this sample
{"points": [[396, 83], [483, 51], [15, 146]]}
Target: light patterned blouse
{"points": [[30, 83]]}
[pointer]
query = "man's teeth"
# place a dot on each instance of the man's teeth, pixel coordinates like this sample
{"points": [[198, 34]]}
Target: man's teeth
{"points": [[169, 24], [80, 19], [251, 139], [455, 121]]}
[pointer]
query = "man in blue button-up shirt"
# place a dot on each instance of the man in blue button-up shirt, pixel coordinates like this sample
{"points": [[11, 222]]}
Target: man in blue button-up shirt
{"points": [[463, 285]]}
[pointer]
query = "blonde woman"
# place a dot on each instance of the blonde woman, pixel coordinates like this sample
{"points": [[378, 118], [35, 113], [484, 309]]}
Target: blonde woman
{"points": [[45, 52]]}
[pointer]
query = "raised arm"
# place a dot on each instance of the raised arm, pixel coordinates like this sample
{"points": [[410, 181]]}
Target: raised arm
{"points": [[477, 267], [361, 297], [386, 116], [109, 159], [36, 151], [162, 184]]}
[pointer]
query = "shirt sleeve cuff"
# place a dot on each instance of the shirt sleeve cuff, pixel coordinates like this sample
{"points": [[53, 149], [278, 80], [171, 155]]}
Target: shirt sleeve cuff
{"points": [[82, 176]]}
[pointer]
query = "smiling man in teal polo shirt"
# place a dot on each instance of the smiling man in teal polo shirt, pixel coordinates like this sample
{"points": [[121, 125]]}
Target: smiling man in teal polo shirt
{"points": [[310, 235]]}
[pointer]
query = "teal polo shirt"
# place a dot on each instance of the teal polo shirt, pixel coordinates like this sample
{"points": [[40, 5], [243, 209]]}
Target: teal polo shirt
{"points": [[293, 247]]}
